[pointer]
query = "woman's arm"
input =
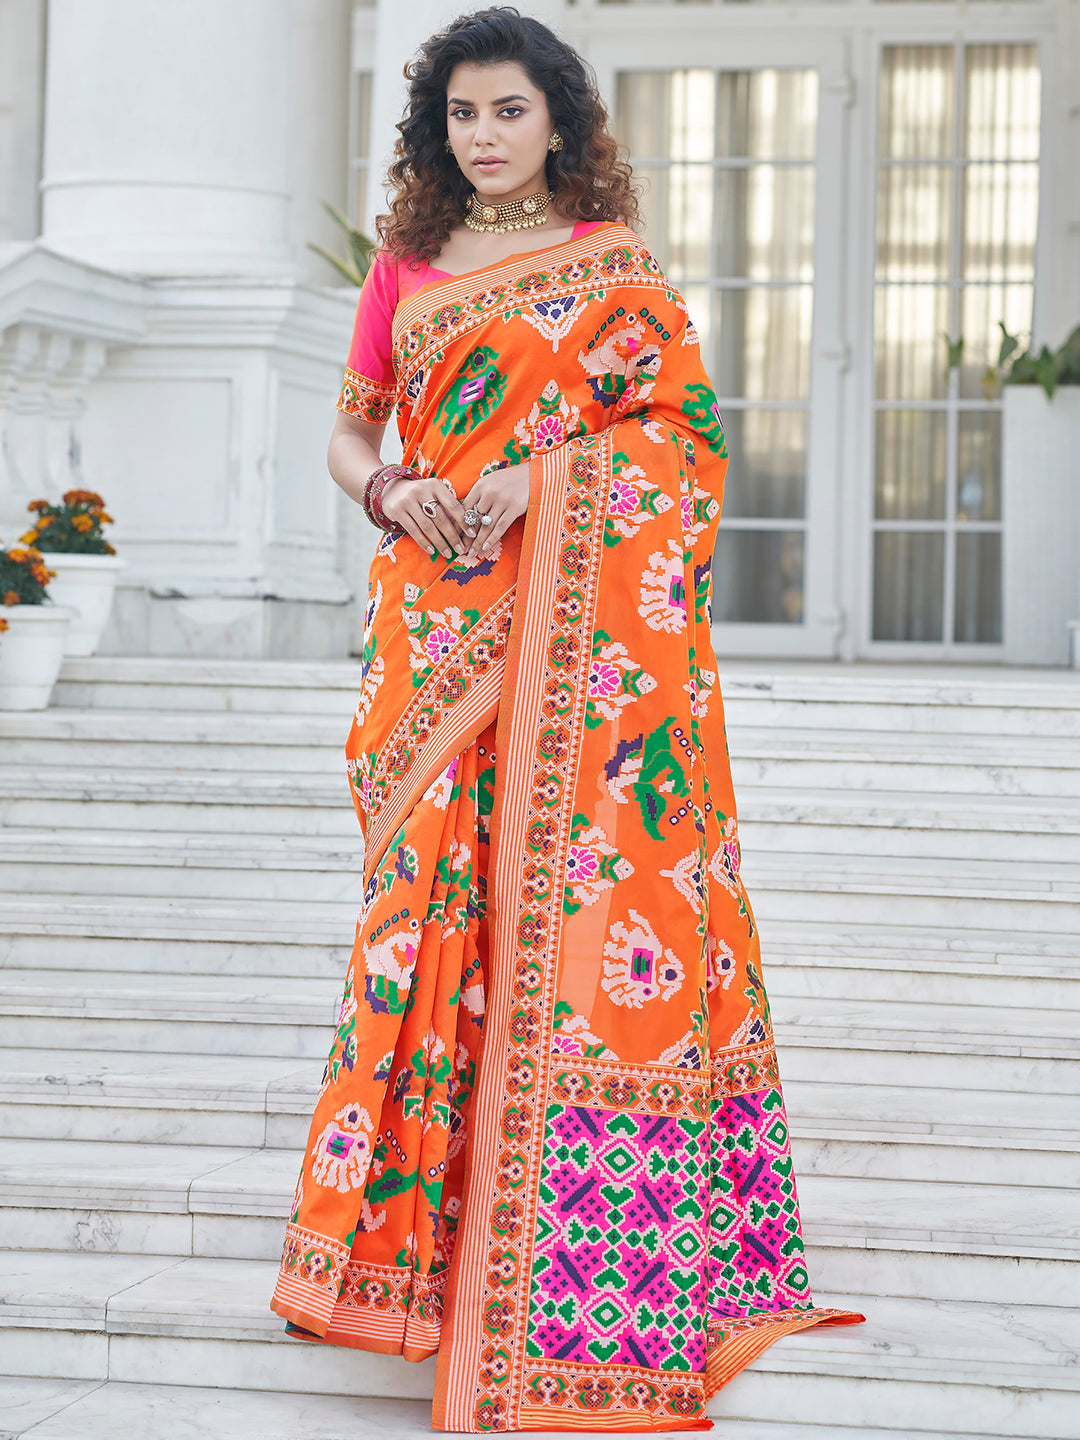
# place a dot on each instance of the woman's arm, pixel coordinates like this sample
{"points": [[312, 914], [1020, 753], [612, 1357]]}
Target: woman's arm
{"points": [[353, 455]]}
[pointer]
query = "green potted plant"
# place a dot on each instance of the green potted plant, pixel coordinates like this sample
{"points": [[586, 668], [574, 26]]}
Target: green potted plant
{"points": [[1040, 495], [1040, 479], [82, 560], [33, 630]]}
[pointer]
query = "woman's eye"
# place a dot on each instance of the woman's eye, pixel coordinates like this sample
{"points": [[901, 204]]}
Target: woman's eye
{"points": [[511, 111]]}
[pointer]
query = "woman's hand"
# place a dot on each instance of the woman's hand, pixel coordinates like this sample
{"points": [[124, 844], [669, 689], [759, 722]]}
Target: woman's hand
{"points": [[503, 496], [445, 531]]}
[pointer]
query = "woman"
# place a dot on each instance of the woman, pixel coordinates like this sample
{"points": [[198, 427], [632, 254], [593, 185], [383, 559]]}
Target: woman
{"points": [[550, 1142]]}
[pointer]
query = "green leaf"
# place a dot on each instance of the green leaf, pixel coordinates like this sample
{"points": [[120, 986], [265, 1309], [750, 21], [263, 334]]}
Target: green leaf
{"points": [[955, 349], [1009, 344], [344, 266], [1046, 371]]}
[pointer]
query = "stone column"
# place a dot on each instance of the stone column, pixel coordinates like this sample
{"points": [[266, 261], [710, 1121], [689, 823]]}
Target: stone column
{"points": [[167, 135]]}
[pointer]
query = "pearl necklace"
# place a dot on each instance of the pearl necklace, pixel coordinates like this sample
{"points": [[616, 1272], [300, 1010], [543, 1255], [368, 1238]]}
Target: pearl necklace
{"points": [[521, 214]]}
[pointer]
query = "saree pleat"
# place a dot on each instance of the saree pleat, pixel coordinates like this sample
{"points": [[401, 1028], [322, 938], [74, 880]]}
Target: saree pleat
{"points": [[551, 1145]]}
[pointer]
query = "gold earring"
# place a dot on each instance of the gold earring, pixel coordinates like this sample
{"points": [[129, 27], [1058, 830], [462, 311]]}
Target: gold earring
{"points": [[555, 144], [449, 146]]}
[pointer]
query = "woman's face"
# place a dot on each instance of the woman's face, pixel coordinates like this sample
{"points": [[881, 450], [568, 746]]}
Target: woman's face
{"points": [[499, 126]]}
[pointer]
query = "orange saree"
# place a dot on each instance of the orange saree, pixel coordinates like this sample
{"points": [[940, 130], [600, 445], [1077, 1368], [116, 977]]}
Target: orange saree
{"points": [[550, 1143]]}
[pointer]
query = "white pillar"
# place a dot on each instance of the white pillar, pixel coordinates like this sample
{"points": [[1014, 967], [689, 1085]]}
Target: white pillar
{"points": [[167, 135], [318, 131]]}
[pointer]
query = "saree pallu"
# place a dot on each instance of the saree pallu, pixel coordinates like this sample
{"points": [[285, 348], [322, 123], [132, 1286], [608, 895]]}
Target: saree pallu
{"points": [[550, 1143]]}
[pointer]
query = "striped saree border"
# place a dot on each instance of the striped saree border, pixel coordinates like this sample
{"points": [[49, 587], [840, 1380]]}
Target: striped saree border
{"points": [[459, 1354], [452, 728]]}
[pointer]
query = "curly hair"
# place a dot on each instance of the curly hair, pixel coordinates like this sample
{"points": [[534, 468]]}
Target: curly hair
{"points": [[589, 178]]}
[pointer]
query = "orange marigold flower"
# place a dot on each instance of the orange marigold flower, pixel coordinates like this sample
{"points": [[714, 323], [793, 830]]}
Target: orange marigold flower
{"points": [[11, 597], [3, 625], [104, 518], [82, 523], [109, 549], [38, 505], [29, 537], [82, 497], [45, 521]]}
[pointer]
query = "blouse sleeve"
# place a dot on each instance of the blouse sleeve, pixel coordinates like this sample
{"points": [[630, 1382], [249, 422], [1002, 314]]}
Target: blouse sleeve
{"points": [[368, 389]]}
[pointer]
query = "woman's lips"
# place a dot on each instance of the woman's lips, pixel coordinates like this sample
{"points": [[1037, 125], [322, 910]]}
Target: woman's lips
{"points": [[488, 164]]}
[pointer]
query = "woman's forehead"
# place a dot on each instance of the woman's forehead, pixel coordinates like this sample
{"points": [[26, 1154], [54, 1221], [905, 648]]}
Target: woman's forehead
{"points": [[486, 84]]}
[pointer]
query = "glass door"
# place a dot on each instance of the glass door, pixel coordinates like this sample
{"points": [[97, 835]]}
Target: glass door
{"points": [[957, 212], [729, 158]]}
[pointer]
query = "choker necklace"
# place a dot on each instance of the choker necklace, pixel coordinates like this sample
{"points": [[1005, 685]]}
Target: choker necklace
{"points": [[510, 215]]}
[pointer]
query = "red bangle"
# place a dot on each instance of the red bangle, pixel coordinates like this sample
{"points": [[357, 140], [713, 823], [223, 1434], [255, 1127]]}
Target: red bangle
{"points": [[377, 482]]}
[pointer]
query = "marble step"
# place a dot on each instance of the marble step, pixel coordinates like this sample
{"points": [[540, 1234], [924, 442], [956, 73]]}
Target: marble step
{"points": [[771, 818], [1036, 895], [165, 1099], [950, 763], [158, 934], [115, 1410], [253, 1015], [980, 1197], [148, 933], [192, 865], [918, 890], [219, 1015], [899, 699], [990, 1368], [255, 1100]]}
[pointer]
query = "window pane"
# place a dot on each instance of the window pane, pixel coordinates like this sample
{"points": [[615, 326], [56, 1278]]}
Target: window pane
{"points": [[914, 222], [909, 353], [1001, 212], [642, 108], [679, 209], [767, 114], [765, 228], [654, 206], [766, 475], [983, 306], [909, 578], [978, 588], [978, 486], [909, 479], [1002, 100], [758, 577], [917, 101], [761, 342]]}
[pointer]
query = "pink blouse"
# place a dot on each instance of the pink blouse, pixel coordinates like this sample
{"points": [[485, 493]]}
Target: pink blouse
{"points": [[387, 282]]}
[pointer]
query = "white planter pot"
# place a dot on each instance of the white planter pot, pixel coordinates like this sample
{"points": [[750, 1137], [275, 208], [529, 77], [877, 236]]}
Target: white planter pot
{"points": [[84, 583], [31, 653], [1040, 482]]}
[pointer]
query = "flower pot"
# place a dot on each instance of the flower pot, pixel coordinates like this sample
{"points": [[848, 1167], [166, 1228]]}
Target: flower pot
{"points": [[31, 653], [85, 583], [1040, 485]]}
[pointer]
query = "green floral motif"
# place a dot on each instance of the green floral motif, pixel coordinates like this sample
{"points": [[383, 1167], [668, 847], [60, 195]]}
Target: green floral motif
{"points": [[632, 501], [704, 413], [476, 391], [592, 865], [551, 422], [615, 681]]}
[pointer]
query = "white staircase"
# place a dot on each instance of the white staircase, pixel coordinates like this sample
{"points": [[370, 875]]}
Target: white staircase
{"points": [[179, 880]]}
